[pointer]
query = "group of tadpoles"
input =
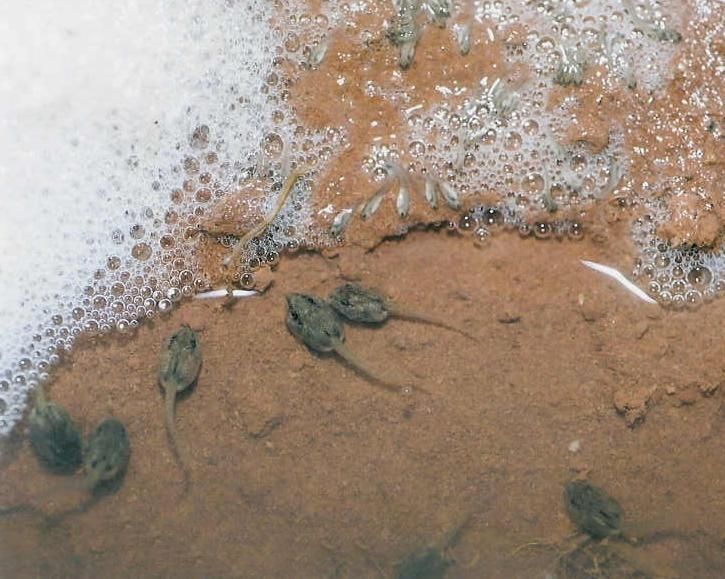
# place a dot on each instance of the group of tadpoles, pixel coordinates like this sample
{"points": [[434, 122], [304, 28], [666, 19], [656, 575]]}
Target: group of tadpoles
{"points": [[598, 521], [57, 442], [59, 448], [317, 322]]}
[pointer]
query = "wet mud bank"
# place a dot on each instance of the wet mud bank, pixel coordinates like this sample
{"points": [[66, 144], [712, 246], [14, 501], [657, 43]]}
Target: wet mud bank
{"points": [[299, 466]]}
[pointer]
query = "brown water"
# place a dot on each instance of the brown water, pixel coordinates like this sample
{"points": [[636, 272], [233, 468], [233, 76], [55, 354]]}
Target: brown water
{"points": [[302, 468]]}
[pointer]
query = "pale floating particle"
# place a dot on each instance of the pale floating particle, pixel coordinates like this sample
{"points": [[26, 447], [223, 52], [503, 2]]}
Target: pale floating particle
{"points": [[575, 446], [450, 195], [618, 276], [571, 67], [317, 54], [372, 204], [402, 201], [223, 293], [439, 11], [431, 194], [340, 221], [463, 39]]}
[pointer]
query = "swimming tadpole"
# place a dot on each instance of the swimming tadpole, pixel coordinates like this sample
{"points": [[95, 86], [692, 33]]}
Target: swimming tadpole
{"points": [[179, 366], [54, 437], [106, 454], [316, 324], [592, 510], [364, 305]]}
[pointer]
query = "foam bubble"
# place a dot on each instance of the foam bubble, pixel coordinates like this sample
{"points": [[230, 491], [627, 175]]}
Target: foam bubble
{"points": [[109, 114]]}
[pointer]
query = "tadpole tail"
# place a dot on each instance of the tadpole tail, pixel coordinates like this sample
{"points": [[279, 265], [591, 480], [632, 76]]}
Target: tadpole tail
{"points": [[287, 187], [170, 403], [343, 351], [82, 507], [406, 314], [20, 509]]}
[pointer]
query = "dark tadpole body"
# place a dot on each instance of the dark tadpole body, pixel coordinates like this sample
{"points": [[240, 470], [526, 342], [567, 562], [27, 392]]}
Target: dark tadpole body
{"points": [[427, 563], [312, 321], [54, 437], [179, 365], [592, 510], [364, 305], [105, 459], [359, 304], [316, 324], [106, 453]]}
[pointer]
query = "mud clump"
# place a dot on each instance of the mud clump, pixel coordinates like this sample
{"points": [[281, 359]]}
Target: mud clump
{"points": [[633, 405]]}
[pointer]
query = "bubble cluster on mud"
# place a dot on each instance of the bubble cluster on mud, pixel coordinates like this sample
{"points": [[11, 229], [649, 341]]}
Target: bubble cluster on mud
{"points": [[680, 277], [117, 226], [506, 138], [514, 140]]}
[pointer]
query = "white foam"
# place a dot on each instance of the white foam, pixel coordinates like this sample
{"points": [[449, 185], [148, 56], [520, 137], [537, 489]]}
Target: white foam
{"points": [[97, 103]]}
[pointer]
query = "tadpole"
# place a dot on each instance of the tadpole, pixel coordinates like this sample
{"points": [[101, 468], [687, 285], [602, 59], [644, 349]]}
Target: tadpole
{"points": [[54, 437], [179, 365], [364, 305]]}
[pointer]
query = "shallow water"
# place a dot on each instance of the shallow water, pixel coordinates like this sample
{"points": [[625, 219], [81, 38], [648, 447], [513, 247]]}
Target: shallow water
{"points": [[299, 465]]}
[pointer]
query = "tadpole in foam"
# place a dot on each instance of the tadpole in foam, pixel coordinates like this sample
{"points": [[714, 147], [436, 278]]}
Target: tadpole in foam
{"points": [[257, 230]]}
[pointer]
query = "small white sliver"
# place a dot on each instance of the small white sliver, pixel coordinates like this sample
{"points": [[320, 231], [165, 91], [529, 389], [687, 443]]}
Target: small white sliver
{"points": [[223, 293], [618, 276]]}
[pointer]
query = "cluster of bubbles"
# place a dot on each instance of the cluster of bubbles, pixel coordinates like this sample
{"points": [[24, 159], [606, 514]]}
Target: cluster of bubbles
{"points": [[481, 220], [679, 277], [504, 142], [229, 121], [513, 155], [629, 38]]}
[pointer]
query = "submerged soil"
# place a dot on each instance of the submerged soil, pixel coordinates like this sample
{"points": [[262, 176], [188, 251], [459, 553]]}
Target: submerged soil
{"points": [[300, 467]]}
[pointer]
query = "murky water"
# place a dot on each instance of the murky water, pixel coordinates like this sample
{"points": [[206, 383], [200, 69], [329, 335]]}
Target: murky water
{"points": [[458, 188]]}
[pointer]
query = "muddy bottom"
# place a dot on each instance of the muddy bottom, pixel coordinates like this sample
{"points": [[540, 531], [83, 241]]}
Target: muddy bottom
{"points": [[300, 467]]}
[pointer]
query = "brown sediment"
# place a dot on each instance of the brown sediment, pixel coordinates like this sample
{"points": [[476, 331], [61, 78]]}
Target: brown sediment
{"points": [[693, 221], [676, 151], [598, 109], [306, 470], [302, 468]]}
